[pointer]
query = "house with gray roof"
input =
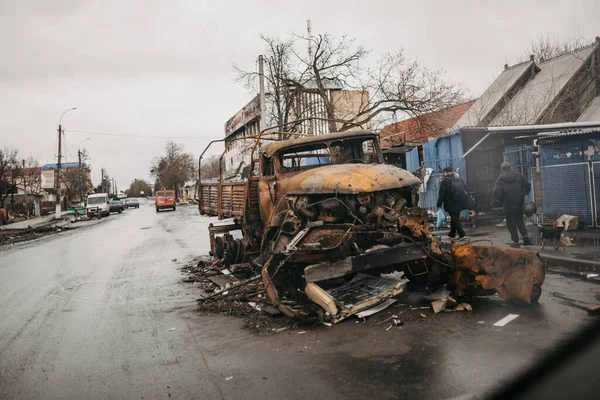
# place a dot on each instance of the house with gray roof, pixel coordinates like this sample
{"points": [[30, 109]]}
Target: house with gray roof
{"points": [[561, 89]]}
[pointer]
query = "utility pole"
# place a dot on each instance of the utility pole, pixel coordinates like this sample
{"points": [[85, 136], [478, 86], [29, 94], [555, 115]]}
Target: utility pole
{"points": [[58, 165], [308, 28], [80, 186], [59, 202], [25, 186], [261, 81]]}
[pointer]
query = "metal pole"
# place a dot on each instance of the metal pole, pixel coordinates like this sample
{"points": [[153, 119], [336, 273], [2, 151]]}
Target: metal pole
{"points": [[58, 166], [263, 105], [25, 186], [58, 197], [80, 186]]}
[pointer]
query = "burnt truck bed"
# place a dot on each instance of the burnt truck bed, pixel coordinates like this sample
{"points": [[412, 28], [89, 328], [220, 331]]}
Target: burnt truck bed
{"points": [[223, 199]]}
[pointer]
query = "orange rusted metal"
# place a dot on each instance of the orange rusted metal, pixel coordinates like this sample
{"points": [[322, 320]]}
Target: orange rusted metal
{"points": [[517, 275]]}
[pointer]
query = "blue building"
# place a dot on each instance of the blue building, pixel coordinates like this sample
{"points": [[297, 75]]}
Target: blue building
{"points": [[561, 161]]}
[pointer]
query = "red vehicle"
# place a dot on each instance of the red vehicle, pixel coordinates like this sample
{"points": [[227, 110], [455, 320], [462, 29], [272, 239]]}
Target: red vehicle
{"points": [[165, 199]]}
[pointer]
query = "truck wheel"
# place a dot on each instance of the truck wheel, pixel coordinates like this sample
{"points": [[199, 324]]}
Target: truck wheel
{"points": [[156, 209], [174, 208], [120, 210]]}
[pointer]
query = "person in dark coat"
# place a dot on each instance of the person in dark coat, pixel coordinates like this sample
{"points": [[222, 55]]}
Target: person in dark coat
{"points": [[509, 192], [453, 205]]}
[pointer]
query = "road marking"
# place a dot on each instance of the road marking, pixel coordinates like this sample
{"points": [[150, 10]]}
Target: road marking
{"points": [[506, 319]]}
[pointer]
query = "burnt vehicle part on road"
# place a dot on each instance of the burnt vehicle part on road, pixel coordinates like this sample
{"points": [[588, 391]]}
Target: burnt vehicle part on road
{"points": [[319, 212]]}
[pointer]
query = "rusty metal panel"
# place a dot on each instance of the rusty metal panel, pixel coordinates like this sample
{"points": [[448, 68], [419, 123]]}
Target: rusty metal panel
{"points": [[209, 199], [232, 199], [238, 196], [226, 200], [253, 208], [517, 275]]}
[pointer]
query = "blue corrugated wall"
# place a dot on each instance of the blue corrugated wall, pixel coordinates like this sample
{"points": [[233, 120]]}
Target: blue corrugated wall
{"points": [[438, 154], [412, 160], [567, 173]]}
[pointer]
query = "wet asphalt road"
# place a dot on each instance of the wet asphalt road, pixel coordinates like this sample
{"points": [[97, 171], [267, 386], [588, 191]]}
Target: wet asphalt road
{"points": [[101, 312]]}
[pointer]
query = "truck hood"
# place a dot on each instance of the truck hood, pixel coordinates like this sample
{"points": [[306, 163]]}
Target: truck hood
{"points": [[348, 179]]}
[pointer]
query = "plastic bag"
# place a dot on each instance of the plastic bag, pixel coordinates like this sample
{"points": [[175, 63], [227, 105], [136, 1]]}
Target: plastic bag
{"points": [[529, 207], [441, 218]]}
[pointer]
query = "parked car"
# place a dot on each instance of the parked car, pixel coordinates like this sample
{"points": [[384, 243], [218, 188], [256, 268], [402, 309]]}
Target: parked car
{"points": [[165, 199], [117, 205], [132, 203], [97, 204]]}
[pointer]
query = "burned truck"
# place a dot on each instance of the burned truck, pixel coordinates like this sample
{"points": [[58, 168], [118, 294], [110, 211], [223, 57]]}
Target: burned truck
{"points": [[324, 220]]}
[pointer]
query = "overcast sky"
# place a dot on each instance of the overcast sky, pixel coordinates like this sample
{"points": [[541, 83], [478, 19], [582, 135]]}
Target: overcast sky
{"points": [[164, 68]]}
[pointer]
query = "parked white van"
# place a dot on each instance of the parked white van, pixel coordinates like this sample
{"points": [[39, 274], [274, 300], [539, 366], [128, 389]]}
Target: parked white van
{"points": [[97, 203]]}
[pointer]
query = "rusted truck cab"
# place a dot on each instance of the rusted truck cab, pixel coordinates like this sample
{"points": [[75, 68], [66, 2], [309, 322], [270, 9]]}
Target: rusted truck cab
{"points": [[347, 164]]}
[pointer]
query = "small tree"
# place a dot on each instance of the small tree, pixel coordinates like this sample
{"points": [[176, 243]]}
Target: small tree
{"points": [[138, 186], [210, 168], [174, 168], [8, 168]]}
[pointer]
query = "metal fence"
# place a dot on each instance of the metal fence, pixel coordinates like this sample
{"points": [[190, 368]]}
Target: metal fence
{"points": [[520, 157], [567, 189], [596, 189]]}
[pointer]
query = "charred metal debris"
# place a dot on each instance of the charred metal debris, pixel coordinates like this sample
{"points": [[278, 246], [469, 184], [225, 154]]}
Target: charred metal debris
{"points": [[323, 225]]}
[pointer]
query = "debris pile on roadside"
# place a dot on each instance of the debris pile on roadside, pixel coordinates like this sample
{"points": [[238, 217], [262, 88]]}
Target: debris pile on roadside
{"points": [[238, 290], [11, 236], [235, 290]]}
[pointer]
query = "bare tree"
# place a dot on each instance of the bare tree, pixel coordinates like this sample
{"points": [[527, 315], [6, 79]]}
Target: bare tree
{"points": [[399, 86], [8, 169], [545, 47], [210, 168], [174, 168], [139, 187], [282, 98], [394, 86], [32, 175]]}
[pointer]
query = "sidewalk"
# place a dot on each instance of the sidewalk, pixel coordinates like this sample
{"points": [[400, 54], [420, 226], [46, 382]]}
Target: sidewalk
{"points": [[34, 222], [583, 255]]}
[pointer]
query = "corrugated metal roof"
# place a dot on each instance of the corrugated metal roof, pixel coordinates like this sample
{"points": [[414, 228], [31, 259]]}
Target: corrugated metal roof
{"points": [[573, 132], [531, 102], [65, 165], [592, 113], [493, 95]]}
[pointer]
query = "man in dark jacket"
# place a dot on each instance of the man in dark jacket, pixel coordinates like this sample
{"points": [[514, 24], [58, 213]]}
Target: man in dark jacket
{"points": [[509, 192], [452, 196]]}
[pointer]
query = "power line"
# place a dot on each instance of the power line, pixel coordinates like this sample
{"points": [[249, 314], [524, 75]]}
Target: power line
{"points": [[67, 146], [137, 135]]}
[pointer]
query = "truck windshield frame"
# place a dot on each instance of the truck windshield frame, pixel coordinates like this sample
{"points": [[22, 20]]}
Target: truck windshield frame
{"points": [[308, 156]]}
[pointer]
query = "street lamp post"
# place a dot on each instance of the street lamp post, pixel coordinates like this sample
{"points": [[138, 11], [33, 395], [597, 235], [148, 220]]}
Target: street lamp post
{"points": [[79, 155], [58, 166]]}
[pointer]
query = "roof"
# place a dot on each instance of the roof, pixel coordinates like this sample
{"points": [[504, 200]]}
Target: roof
{"points": [[566, 133], [31, 170], [272, 148], [530, 103], [66, 165], [592, 113], [494, 94], [422, 128]]}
